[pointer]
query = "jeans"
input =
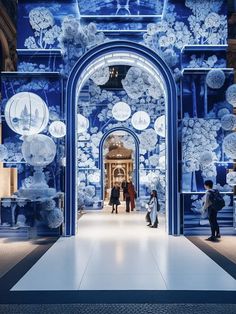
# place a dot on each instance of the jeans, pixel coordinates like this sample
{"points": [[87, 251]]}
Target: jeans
{"points": [[212, 216]]}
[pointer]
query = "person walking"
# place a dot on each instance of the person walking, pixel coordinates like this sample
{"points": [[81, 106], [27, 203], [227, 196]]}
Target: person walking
{"points": [[132, 195], [123, 186], [153, 209], [115, 198], [127, 197], [211, 203]]}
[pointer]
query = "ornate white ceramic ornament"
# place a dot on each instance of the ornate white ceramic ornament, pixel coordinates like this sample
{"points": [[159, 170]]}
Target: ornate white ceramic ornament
{"points": [[140, 120], [38, 150], [228, 122], [121, 111], [231, 94], [231, 178], [57, 129], [55, 218], [160, 126], [26, 113], [229, 145], [101, 76], [215, 78], [83, 123]]}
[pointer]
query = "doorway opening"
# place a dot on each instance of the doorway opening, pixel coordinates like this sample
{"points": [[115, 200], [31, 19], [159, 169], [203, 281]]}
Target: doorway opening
{"points": [[121, 134], [119, 153]]}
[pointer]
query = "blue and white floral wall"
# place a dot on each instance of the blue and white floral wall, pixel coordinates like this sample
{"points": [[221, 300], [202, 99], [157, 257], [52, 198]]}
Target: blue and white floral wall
{"points": [[96, 105], [190, 35]]}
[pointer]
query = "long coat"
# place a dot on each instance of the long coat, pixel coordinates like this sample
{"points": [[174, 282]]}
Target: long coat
{"points": [[132, 193], [153, 205], [115, 195]]}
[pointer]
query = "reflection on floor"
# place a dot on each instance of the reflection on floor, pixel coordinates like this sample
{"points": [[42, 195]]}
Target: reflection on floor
{"points": [[119, 252], [12, 251], [225, 246]]}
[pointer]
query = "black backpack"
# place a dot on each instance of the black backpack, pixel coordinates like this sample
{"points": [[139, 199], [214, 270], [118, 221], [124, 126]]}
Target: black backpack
{"points": [[217, 200]]}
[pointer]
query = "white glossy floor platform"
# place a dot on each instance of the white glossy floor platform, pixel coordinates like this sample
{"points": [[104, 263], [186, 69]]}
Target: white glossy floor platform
{"points": [[119, 252]]}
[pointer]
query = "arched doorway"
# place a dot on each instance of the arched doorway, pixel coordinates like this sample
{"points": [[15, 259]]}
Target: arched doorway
{"points": [[118, 162], [129, 53], [135, 169]]}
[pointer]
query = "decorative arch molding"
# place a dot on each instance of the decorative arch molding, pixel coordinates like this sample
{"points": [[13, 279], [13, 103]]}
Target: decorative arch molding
{"points": [[173, 224], [101, 157]]}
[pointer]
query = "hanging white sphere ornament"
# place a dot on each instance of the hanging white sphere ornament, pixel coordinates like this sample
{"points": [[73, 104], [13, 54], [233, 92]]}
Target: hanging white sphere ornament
{"points": [[229, 145], [83, 123], [101, 76], [57, 129], [222, 112], [231, 178], [140, 120], [160, 126], [228, 122], [121, 111], [26, 113], [215, 78], [231, 94], [38, 150], [3, 152]]}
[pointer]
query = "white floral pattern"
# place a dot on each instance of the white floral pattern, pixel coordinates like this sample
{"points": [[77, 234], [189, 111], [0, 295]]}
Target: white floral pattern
{"points": [[197, 136], [46, 32]]}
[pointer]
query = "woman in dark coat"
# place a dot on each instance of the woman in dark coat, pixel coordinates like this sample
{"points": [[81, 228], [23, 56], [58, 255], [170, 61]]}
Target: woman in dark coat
{"points": [[114, 199]]}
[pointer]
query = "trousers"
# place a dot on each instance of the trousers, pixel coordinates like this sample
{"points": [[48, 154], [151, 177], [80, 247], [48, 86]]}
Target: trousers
{"points": [[212, 216]]}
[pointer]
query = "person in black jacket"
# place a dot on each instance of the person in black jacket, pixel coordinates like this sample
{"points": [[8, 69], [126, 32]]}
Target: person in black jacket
{"points": [[115, 198], [126, 197], [211, 211], [123, 186]]}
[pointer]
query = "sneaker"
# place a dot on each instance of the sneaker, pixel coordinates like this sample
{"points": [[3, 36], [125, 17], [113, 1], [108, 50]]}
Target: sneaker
{"points": [[213, 239], [218, 236]]}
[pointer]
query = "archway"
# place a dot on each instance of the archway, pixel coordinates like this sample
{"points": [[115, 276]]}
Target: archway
{"points": [[101, 154], [86, 65]]}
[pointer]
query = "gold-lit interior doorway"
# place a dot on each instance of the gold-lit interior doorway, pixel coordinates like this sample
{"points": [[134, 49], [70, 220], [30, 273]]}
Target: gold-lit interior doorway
{"points": [[119, 154]]}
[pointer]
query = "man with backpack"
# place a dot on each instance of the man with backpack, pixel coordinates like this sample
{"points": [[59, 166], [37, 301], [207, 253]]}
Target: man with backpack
{"points": [[213, 203]]}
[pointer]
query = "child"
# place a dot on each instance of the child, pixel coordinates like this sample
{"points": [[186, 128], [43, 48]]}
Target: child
{"points": [[153, 208]]}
